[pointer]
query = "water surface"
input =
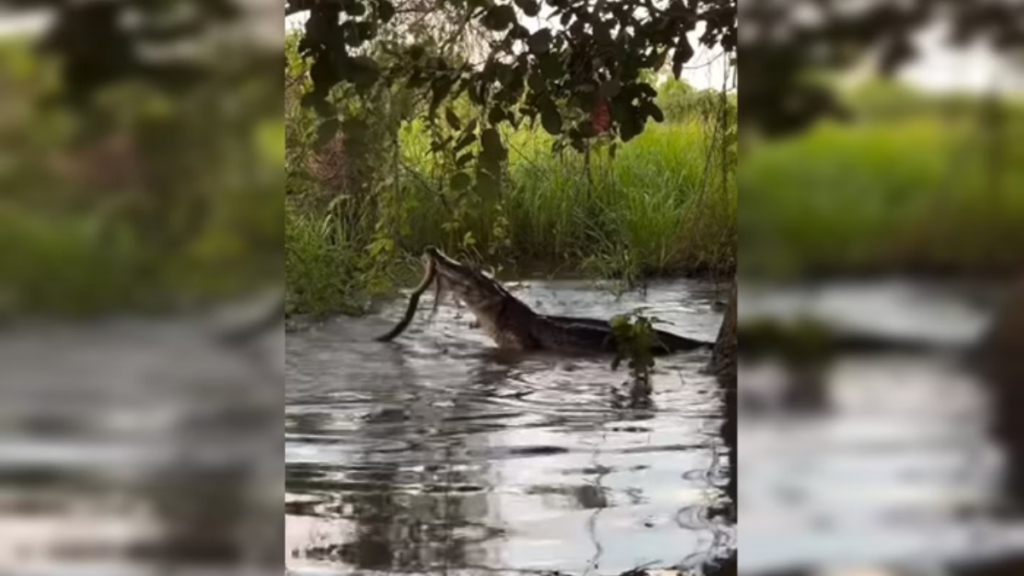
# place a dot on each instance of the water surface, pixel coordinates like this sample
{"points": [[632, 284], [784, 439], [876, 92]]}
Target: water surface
{"points": [[130, 446], [434, 453], [898, 463]]}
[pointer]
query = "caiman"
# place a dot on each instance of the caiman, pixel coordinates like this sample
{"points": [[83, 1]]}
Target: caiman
{"points": [[514, 325]]}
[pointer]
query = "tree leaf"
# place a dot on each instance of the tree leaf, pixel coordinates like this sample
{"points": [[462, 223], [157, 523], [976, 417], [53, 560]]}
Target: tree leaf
{"points": [[529, 7], [684, 51], [496, 115], [438, 145], [503, 73], [629, 127], [550, 119], [324, 109], [611, 88], [536, 83], [647, 90], [365, 72], [385, 11], [487, 185], [367, 31], [353, 7], [653, 111], [350, 34], [499, 18], [453, 119], [323, 75], [310, 99], [460, 181], [540, 41], [493, 150], [439, 88], [551, 66], [465, 140], [326, 131], [586, 129]]}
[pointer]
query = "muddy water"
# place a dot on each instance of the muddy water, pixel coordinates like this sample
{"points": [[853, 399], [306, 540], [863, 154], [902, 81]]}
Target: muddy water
{"points": [[433, 453], [897, 463]]}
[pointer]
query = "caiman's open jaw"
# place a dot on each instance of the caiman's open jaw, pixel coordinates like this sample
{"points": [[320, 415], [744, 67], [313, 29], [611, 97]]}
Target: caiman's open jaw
{"points": [[469, 284]]}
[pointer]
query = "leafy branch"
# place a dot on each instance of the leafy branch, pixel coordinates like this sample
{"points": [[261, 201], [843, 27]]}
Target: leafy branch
{"points": [[580, 75]]}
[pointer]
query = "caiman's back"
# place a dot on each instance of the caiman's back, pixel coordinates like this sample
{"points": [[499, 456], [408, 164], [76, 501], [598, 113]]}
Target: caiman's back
{"points": [[513, 325]]}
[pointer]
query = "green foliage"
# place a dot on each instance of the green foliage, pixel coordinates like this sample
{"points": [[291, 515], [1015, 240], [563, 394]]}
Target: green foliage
{"points": [[778, 68], [554, 75], [649, 207], [324, 272], [648, 212], [682, 103], [98, 51], [911, 187], [134, 199], [635, 339]]}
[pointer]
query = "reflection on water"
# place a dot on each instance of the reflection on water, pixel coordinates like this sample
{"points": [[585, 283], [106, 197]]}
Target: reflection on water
{"points": [[436, 453], [898, 463], [133, 446]]}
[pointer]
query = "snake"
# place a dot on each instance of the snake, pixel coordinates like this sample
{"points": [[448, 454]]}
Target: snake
{"points": [[414, 302]]}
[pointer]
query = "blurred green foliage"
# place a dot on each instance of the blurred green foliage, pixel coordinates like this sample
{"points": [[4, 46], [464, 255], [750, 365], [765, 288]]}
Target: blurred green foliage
{"points": [[918, 183], [683, 103], [364, 201], [136, 200], [562, 77]]}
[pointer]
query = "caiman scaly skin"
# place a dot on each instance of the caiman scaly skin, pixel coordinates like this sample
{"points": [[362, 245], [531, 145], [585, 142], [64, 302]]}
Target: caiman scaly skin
{"points": [[513, 325]]}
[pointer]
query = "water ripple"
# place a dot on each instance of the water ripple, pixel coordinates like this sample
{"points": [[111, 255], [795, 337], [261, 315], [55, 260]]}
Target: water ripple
{"points": [[435, 450]]}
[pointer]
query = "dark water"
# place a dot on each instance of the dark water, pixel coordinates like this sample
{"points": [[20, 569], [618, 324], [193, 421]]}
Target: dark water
{"points": [[898, 462], [433, 453], [137, 444], [133, 446]]}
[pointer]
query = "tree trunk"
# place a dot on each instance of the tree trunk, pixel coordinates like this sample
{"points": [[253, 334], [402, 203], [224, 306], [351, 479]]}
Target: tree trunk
{"points": [[1000, 356]]}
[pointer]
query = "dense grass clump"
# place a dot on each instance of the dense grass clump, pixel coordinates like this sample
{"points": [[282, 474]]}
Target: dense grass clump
{"points": [[652, 210], [916, 191]]}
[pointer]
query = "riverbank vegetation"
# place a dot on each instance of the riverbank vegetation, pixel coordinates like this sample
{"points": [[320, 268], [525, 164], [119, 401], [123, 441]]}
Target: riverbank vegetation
{"points": [[915, 182], [140, 199], [358, 215]]}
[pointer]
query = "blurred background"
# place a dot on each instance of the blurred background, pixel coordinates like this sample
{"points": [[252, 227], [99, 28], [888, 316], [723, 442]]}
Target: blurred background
{"points": [[880, 233], [141, 209]]}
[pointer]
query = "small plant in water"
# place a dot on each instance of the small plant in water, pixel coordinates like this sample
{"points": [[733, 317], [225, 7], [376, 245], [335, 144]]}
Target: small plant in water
{"points": [[634, 337]]}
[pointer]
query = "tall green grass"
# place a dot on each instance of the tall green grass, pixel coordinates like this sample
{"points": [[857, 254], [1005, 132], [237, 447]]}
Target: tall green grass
{"points": [[915, 192], [661, 207], [653, 204]]}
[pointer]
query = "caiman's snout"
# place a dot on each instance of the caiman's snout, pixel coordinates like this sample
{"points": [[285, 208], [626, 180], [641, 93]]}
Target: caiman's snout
{"points": [[450, 269], [442, 260], [467, 283]]}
